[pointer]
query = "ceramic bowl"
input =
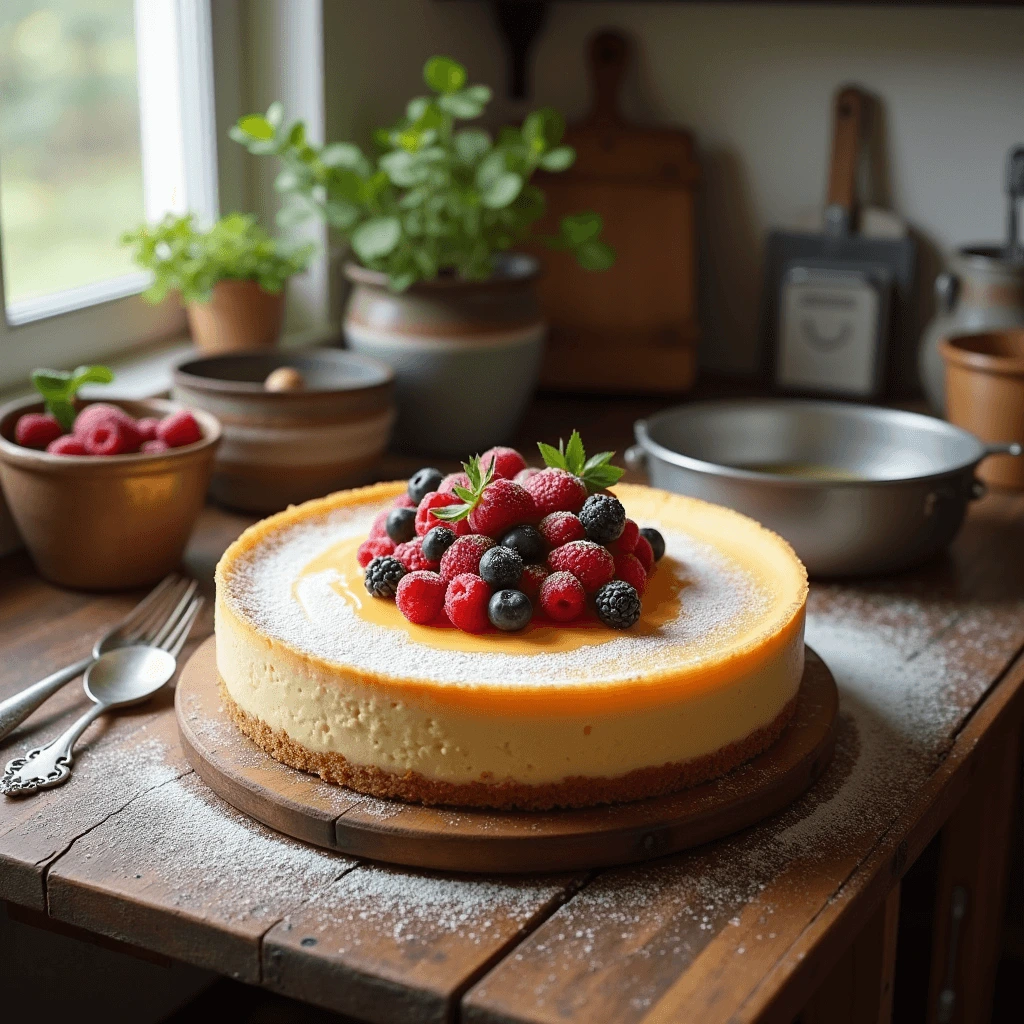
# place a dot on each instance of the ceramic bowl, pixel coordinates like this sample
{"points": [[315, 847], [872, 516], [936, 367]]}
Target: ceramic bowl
{"points": [[106, 522], [284, 447]]}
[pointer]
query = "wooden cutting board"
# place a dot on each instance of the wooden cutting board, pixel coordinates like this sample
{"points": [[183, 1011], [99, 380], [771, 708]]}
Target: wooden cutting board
{"points": [[632, 328]]}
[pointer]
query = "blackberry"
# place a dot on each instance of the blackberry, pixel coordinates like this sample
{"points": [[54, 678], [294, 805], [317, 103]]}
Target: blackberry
{"points": [[437, 542], [655, 539], [527, 541], [401, 524], [509, 610], [618, 604], [423, 481], [603, 517], [383, 575], [501, 567]]}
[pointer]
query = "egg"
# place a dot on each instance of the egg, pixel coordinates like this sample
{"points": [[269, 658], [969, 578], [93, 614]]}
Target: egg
{"points": [[284, 378]]}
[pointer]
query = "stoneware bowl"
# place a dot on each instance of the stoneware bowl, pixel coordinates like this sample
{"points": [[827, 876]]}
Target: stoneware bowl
{"points": [[284, 447], [985, 395], [466, 354], [106, 522]]}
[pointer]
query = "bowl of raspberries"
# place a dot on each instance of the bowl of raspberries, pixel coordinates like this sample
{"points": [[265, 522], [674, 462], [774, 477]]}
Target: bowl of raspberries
{"points": [[502, 545], [104, 494]]}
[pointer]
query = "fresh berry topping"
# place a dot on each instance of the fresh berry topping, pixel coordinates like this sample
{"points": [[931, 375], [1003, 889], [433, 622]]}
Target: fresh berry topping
{"points": [[437, 541], [510, 610], [644, 552], [629, 568], [597, 472], [37, 429], [524, 474], [411, 556], [627, 539], [464, 556], [507, 462], [527, 541], [147, 428], [373, 548], [617, 604], [422, 482], [403, 501], [555, 490], [383, 575], [532, 580], [558, 528], [562, 597], [401, 524], [603, 517], [420, 596], [655, 539], [99, 411], [453, 480], [590, 563], [426, 520], [502, 505], [380, 525], [67, 445], [155, 447], [111, 437], [501, 567], [466, 602], [179, 429]]}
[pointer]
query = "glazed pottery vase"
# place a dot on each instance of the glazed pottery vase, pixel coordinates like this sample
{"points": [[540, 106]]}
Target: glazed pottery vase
{"points": [[981, 291], [466, 354], [239, 317]]}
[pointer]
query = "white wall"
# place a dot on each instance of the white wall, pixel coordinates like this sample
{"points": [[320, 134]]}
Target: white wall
{"points": [[754, 83]]}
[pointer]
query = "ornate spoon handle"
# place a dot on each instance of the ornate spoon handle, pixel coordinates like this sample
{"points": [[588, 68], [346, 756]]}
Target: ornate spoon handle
{"points": [[45, 767], [16, 709]]}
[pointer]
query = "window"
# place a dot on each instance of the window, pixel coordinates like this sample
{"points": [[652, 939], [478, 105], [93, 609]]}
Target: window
{"points": [[106, 118]]}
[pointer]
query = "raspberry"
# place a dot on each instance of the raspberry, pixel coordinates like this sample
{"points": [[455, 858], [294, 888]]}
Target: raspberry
{"points": [[562, 597], [372, 548], [590, 563], [37, 430], [466, 602], [555, 490], [179, 429], [451, 481], [502, 505], [507, 462], [383, 575], [425, 522], [629, 568], [97, 413], [67, 445], [644, 552], [524, 474], [617, 604], [111, 437], [532, 580], [155, 447], [603, 517], [410, 554], [420, 596], [146, 428], [404, 501], [464, 556], [558, 528], [380, 525], [627, 539]]}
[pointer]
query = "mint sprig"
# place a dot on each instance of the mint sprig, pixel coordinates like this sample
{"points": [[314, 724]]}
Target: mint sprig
{"points": [[597, 472], [479, 478], [58, 388]]}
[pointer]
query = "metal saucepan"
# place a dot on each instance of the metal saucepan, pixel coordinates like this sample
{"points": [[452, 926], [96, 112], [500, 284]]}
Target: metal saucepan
{"points": [[855, 489]]}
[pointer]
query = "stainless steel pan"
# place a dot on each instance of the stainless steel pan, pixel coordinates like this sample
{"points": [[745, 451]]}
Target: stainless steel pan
{"points": [[882, 489]]}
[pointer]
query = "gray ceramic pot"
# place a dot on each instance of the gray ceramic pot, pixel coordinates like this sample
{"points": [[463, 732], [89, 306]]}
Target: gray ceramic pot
{"points": [[466, 354]]}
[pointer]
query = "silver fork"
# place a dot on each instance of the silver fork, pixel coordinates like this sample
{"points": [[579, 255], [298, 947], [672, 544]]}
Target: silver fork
{"points": [[147, 623]]}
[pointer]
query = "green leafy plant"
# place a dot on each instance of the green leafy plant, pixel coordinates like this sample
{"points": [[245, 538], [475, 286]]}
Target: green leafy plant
{"points": [[597, 472], [186, 259], [438, 198], [470, 496], [58, 388]]}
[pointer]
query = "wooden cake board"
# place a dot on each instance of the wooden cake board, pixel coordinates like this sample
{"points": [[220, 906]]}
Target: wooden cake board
{"points": [[470, 839]]}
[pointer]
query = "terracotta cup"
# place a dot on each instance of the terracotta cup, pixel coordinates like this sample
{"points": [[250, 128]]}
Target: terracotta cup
{"points": [[106, 522], [985, 395], [239, 317]]}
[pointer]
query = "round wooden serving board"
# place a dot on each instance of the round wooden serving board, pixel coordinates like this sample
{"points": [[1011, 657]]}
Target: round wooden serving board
{"points": [[458, 839]]}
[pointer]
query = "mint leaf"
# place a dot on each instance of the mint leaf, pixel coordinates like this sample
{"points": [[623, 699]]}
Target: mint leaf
{"points": [[601, 477], [598, 460], [59, 388], [552, 457], [452, 513], [575, 454]]}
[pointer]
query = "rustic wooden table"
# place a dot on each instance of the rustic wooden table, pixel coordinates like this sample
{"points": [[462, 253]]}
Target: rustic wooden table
{"points": [[796, 917]]}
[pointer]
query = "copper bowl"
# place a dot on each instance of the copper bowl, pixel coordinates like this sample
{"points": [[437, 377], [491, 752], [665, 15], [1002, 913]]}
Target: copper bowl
{"points": [[106, 522]]}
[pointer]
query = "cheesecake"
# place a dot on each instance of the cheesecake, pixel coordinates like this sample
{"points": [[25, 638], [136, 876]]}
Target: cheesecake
{"points": [[329, 680]]}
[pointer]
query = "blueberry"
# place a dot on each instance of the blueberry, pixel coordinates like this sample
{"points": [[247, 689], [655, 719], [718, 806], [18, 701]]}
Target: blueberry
{"points": [[603, 517], [501, 567], [528, 542], [437, 542], [401, 525], [655, 539], [423, 481], [509, 609]]}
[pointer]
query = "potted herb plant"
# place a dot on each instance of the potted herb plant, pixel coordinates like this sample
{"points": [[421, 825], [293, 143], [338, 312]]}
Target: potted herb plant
{"points": [[231, 278], [434, 219]]}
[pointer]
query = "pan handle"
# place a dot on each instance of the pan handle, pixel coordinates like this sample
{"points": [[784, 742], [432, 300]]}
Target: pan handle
{"points": [[1006, 448], [636, 458]]}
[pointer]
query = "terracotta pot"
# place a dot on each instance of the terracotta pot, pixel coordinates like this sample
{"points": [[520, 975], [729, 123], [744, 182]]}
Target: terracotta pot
{"points": [[106, 522], [985, 395], [466, 354], [240, 316]]}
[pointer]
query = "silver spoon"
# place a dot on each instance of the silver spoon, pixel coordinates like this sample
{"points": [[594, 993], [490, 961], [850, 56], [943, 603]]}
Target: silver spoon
{"points": [[119, 678]]}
